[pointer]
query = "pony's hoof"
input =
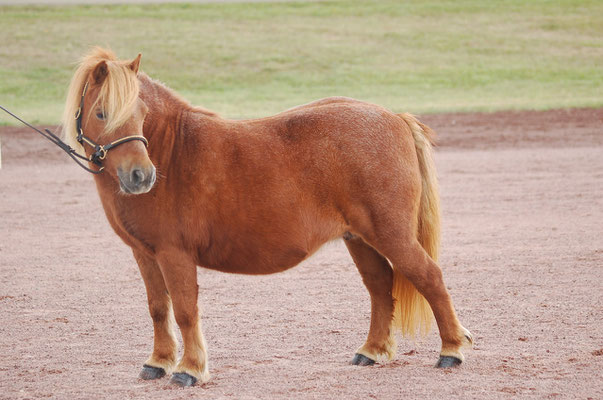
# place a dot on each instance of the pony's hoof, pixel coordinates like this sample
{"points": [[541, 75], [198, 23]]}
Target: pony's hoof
{"points": [[149, 372], [183, 379], [361, 360], [448, 362]]}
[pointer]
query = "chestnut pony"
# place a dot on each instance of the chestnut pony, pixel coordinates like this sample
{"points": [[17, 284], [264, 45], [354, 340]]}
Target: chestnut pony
{"points": [[258, 197]]}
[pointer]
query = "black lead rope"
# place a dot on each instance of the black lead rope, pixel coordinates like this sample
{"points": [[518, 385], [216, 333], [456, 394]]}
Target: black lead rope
{"points": [[75, 156], [100, 151]]}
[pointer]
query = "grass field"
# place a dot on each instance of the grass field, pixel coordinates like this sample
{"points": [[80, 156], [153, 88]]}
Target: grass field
{"points": [[247, 60]]}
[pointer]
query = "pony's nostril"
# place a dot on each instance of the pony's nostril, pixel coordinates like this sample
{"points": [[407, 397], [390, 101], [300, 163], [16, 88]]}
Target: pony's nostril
{"points": [[137, 176]]}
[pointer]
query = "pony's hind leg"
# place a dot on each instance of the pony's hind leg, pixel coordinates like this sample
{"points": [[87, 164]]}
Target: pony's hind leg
{"points": [[180, 274], [377, 276], [410, 259], [165, 349]]}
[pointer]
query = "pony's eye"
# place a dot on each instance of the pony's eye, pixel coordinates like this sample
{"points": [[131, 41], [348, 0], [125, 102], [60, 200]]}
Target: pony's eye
{"points": [[100, 115]]}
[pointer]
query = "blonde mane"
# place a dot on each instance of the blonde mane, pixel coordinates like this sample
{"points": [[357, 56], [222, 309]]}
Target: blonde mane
{"points": [[116, 98]]}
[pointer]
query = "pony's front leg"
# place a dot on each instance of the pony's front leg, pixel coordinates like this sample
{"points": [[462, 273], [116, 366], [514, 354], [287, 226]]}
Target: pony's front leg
{"points": [[165, 347], [180, 274]]}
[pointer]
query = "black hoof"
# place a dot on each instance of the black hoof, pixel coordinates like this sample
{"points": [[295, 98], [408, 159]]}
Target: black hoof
{"points": [[448, 362], [149, 372], [183, 379], [361, 360]]}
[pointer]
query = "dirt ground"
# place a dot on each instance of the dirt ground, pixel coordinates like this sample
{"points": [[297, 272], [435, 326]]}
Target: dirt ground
{"points": [[522, 254]]}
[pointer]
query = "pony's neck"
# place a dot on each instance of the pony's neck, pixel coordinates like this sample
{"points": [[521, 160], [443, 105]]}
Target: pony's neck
{"points": [[165, 124], [164, 100], [164, 104]]}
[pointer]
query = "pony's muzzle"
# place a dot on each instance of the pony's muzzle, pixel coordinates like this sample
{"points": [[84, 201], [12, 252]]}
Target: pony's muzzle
{"points": [[136, 180]]}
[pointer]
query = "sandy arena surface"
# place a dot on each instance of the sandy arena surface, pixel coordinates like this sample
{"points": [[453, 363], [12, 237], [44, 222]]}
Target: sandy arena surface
{"points": [[522, 254]]}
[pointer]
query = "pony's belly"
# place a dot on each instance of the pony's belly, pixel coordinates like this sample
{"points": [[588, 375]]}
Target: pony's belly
{"points": [[260, 263], [267, 254]]}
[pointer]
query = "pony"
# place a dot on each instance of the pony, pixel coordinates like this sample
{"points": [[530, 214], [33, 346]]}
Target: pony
{"points": [[259, 196]]}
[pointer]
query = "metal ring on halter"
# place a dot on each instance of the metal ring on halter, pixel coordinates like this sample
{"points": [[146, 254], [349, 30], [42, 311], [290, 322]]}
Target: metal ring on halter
{"points": [[102, 153]]}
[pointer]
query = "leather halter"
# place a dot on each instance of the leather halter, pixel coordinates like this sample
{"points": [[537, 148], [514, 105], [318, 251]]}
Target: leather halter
{"points": [[100, 151]]}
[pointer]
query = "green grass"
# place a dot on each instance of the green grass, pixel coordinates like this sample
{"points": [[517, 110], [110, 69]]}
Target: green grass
{"points": [[248, 60]]}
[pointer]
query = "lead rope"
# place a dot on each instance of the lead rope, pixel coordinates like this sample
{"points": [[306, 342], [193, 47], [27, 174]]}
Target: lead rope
{"points": [[100, 151], [75, 156]]}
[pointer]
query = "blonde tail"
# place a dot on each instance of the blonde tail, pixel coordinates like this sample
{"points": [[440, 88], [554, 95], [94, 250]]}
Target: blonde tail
{"points": [[412, 312]]}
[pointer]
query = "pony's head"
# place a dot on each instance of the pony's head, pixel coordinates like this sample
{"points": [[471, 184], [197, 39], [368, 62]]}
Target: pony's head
{"points": [[112, 110]]}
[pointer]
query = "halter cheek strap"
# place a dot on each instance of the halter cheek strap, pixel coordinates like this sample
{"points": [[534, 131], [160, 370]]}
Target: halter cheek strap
{"points": [[100, 151]]}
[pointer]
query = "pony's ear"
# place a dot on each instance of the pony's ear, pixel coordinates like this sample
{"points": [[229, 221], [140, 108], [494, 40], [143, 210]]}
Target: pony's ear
{"points": [[100, 72], [134, 65]]}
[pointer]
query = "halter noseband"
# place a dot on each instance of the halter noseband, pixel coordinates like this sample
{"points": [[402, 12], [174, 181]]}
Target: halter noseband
{"points": [[100, 151]]}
